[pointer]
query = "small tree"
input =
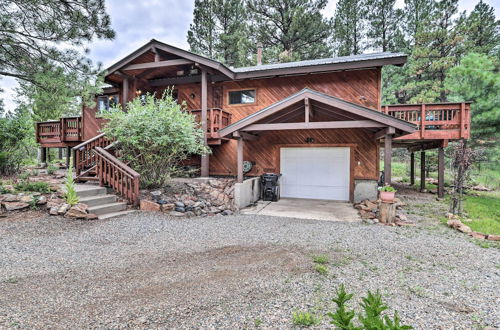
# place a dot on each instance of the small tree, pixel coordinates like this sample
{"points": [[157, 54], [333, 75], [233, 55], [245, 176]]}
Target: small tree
{"points": [[154, 136]]}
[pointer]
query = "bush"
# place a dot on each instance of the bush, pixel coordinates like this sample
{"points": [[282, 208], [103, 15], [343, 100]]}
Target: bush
{"points": [[70, 195], [15, 132], [373, 306], [154, 136], [305, 319], [51, 169], [41, 187]]}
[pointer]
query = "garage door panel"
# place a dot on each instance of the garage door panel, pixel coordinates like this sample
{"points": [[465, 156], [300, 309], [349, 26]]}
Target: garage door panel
{"points": [[316, 173]]}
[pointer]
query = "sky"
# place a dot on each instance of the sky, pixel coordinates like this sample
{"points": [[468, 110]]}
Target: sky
{"points": [[137, 22]]}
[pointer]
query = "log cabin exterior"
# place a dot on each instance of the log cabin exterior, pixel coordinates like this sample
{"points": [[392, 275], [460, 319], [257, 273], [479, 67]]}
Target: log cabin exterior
{"points": [[288, 117]]}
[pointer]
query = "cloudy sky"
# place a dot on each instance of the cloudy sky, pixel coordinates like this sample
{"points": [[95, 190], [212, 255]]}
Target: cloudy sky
{"points": [[137, 22]]}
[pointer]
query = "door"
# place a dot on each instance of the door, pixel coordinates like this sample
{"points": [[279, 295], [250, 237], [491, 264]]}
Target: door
{"points": [[315, 173]]}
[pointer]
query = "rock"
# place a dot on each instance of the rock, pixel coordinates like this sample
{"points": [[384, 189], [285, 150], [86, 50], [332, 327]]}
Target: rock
{"points": [[198, 211], [368, 221], [150, 206], [227, 212], [189, 214], [42, 200], [481, 188], [180, 209], [453, 223], [375, 220], [54, 210], [176, 214], [402, 217], [63, 209], [464, 229], [10, 198], [167, 207], [14, 206], [91, 216], [371, 205], [155, 194], [477, 235], [179, 204], [26, 199], [493, 237], [367, 215], [403, 223], [162, 201], [78, 211]]}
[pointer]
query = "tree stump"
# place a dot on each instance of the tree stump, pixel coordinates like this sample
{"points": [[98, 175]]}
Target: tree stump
{"points": [[387, 212]]}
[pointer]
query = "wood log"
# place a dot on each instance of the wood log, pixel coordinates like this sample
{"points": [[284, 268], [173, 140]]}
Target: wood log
{"points": [[387, 212]]}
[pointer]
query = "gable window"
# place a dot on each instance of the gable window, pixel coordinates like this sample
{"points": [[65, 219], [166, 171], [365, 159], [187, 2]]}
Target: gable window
{"points": [[105, 102], [246, 96]]}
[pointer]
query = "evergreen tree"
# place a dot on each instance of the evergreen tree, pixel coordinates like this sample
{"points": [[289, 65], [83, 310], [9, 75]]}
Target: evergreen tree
{"points": [[383, 26], [481, 30], [291, 29], [349, 27], [201, 34], [417, 14]]}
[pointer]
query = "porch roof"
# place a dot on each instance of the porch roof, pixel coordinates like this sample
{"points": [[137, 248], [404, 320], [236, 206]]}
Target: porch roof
{"points": [[337, 110]]}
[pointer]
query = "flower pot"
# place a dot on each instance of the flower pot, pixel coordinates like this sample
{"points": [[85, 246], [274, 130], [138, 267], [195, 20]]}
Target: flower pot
{"points": [[387, 196]]}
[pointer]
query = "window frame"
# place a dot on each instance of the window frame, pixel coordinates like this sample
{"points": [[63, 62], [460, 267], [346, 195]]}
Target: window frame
{"points": [[229, 91], [107, 105]]}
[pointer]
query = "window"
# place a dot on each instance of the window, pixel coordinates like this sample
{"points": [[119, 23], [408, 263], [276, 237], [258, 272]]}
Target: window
{"points": [[106, 101], [242, 97]]}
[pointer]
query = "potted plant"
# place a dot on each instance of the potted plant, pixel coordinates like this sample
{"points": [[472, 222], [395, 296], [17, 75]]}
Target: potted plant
{"points": [[387, 193]]}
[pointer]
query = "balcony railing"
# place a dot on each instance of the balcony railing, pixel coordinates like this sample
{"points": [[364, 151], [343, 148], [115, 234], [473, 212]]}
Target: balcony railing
{"points": [[216, 120], [68, 129], [434, 121]]}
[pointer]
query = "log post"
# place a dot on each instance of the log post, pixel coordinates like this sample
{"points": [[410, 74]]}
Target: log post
{"points": [[440, 172], [387, 158], [412, 168], [204, 104], [422, 170], [239, 158], [387, 212], [68, 156]]}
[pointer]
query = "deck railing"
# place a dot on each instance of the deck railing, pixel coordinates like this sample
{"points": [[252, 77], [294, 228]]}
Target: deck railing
{"points": [[434, 121], [67, 129], [116, 174], [216, 119]]}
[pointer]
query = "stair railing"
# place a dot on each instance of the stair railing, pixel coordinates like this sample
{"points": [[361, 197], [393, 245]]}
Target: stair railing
{"points": [[113, 172], [84, 155]]}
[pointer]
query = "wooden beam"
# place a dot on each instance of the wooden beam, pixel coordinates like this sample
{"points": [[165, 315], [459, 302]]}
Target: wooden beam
{"points": [[388, 158], [307, 109], [428, 145], [239, 159], [314, 125], [204, 106], [158, 64], [441, 172], [412, 169], [124, 92], [422, 170], [246, 136], [383, 132]]}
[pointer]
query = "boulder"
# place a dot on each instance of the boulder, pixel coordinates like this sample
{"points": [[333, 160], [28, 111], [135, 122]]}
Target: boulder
{"points": [[167, 207], [179, 204], [42, 200], [493, 237], [10, 198], [54, 210], [26, 199], [14, 206], [63, 209], [156, 194], [78, 211], [180, 209], [149, 206]]}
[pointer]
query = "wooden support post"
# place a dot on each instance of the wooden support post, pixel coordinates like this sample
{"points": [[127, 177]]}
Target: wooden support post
{"points": [[440, 172], [60, 155], [387, 212], [68, 156], [239, 158], [422, 121], [422, 170], [124, 92], [204, 103], [43, 156], [412, 168], [387, 158], [307, 108]]}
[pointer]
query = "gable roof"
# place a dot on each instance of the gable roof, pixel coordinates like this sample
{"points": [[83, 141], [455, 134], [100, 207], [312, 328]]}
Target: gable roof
{"points": [[329, 100], [309, 66]]}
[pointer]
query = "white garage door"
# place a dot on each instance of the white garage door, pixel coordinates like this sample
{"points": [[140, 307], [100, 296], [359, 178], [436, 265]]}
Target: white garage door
{"points": [[316, 173]]}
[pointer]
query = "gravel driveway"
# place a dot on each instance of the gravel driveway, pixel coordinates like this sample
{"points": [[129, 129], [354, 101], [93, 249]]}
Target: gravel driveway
{"points": [[151, 271]]}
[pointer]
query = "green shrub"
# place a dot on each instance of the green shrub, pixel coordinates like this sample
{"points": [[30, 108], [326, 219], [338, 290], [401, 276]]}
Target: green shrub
{"points": [[16, 134], [70, 195], [51, 169], [24, 175], [371, 318], [4, 190], [41, 187], [155, 136], [321, 259], [321, 269], [305, 319]]}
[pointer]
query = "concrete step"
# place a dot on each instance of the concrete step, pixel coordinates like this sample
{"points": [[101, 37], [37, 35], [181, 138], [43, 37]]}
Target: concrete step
{"points": [[108, 208], [115, 214], [98, 200], [89, 190]]}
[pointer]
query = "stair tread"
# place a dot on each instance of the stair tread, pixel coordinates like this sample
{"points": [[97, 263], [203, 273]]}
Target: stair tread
{"points": [[114, 214], [98, 207], [91, 198]]}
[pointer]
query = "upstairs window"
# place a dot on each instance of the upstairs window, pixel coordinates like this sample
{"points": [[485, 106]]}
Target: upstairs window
{"points": [[106, 102], [242, 97]]}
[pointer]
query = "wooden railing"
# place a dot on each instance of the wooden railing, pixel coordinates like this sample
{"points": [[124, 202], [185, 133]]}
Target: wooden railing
{"points": [[113, 172], [216, 119], [84, 155], [67, 129], [434, 121]]}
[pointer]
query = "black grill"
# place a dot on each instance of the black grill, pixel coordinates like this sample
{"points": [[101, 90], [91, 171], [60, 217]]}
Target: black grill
{"points": [[269, 187]]}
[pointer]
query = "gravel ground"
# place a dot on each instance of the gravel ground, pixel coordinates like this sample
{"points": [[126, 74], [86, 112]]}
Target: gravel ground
{"points": [[151, 271]]}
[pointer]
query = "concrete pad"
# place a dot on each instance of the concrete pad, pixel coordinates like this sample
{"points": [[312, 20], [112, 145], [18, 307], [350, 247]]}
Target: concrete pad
{"points": [[306, 209]]}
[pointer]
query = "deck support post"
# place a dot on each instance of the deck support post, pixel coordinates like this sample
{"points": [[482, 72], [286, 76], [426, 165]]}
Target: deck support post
{"points": [[387, 158], [239, 158], [68, 156], [412, 169], [422, 170], [60, 154], [204, 96], [43, 156], [440, 172], [124, 92]]}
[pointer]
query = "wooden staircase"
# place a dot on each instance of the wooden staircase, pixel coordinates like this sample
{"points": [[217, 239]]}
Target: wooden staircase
{"points": [[101, 203]]}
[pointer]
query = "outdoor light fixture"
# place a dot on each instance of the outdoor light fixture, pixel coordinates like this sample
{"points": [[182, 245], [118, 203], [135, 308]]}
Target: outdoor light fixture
{"points": [[192, 96], [309, 140]]}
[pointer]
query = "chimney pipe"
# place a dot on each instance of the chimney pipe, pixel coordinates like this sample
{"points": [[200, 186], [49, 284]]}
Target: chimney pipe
{"points": [[259, 53]]}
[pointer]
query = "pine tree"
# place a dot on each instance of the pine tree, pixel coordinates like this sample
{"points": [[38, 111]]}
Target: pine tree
{"points": [[416, 15], [349, 27], [481, 30], [291, 29], [383, 26], [201, 34]]}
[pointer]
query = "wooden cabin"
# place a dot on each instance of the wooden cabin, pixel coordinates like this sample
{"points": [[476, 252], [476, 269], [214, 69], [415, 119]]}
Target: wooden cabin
{"points": [[320, 123]]}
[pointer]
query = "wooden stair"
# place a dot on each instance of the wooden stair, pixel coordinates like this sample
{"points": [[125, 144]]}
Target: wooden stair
{"points": [[101, 203]]}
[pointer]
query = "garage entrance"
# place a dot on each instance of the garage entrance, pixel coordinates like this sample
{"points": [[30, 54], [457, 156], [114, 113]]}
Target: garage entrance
{"points": [[315, 173]]}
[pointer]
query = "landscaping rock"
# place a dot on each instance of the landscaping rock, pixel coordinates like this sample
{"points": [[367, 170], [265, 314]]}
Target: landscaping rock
{"points": [[180, 209], [227, 212], [26, 199], [156, 195], [149, 206], [179, 204], [14, 206], [91, 216], [78, 211], [477, 235], [10, 198], [54, 210], [176, 214], [167, 207], [189, 214], [42, 200], [63, 209], [493, 237]]}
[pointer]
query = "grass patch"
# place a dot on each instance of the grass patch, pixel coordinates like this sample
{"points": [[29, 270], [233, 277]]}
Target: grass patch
{"points": [[484, 211], [321, 259], [321, 269], [257, 322], [305, 319], [41, 187]]}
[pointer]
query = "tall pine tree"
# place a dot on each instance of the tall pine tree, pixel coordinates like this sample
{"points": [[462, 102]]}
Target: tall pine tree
{"points": [[383, 26], [201, 34], [416, 16], [349, 27], [481, 30], [291, 29]]}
